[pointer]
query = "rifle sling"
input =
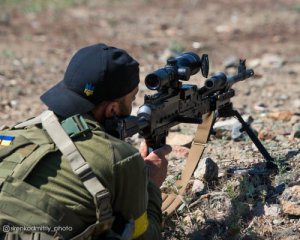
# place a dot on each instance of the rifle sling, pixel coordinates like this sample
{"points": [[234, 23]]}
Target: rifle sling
{"points": [[172, 200]]}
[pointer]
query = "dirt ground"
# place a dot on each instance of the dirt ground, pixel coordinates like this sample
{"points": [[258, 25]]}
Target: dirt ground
{"points": [[35, 47]]}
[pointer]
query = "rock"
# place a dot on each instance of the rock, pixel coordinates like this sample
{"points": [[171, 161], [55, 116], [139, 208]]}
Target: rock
{"points": [[295, 119], [272, 61], [296, 103], [181, 152], [175, 138], [265, 135], [278, 221], [224, 29], [228, 124], [198, 45], [283, 115], [232, 125], [296, 131], [206, 170], [261, 107], [254, 63], [13, 103], [273, 210], [198, 187], [283, 97], [236, 133], [290, 200]]}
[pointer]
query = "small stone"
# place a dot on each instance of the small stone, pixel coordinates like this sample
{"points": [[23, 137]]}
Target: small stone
{"points": [[197, 45], [265, 135], [206, 170], [254, 63], [295, 119], [283, 115], [278, 221], [229, 123], [296, 131], [224, 29], [198, 187], [296, 103], [261, 107], [236, 133], [290, 200], [272, 210], [13, 103]]}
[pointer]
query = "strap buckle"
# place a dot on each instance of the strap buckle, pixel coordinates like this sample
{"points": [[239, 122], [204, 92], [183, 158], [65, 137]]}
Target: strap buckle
{"points": [[103, 203], [84, 172], [104, 210], [75, 126], [200, 143]]}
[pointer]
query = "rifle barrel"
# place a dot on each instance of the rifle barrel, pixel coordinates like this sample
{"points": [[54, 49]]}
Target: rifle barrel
{"points": [[239, 77]]}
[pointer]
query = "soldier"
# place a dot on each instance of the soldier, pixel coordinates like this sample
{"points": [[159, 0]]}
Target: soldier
{"points": [[62, 176]]}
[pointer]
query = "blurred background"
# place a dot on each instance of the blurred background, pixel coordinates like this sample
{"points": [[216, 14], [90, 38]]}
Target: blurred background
{"points": [[38, 38]]}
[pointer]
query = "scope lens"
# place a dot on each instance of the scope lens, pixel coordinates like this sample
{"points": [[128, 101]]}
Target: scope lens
{"points": [[209, 83], [152, 81]]}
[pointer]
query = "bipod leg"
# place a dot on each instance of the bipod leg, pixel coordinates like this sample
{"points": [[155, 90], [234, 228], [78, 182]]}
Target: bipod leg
{"points": [[255, 140]]}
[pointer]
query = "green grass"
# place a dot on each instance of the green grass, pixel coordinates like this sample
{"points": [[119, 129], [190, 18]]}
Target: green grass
{"points": [[28, 6]]}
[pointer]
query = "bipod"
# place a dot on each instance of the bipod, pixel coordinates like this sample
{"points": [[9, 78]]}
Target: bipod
{"points": [[228, 111]]}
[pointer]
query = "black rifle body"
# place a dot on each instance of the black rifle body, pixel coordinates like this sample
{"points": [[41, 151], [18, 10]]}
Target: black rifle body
{"points": [[184, 103]]}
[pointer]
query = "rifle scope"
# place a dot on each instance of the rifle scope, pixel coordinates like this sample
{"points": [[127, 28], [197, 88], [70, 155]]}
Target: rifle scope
{"points": [[179, 68]]}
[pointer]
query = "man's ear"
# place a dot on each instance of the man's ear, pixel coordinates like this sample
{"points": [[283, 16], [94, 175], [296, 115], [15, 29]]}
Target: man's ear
{"points": [[111, 109]]}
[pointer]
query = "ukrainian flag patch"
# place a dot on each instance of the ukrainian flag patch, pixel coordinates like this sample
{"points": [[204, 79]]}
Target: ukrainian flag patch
{"points": [[89, 89], [6, 140]]}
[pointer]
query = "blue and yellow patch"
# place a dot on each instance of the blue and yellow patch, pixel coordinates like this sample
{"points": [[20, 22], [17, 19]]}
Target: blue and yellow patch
{"points": [[6, 140], [140, 225], [89, 89]]}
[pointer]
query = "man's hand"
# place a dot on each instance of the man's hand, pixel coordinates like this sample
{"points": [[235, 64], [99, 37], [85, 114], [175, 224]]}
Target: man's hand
{"points": [[157, 162]]}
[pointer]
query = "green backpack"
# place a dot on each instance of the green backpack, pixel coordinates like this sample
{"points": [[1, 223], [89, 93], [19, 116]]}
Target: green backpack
{"points": [[21, 148]]}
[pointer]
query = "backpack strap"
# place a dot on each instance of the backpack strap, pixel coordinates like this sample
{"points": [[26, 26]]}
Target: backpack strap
{"points": [[31, 121], [81, 168]]}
